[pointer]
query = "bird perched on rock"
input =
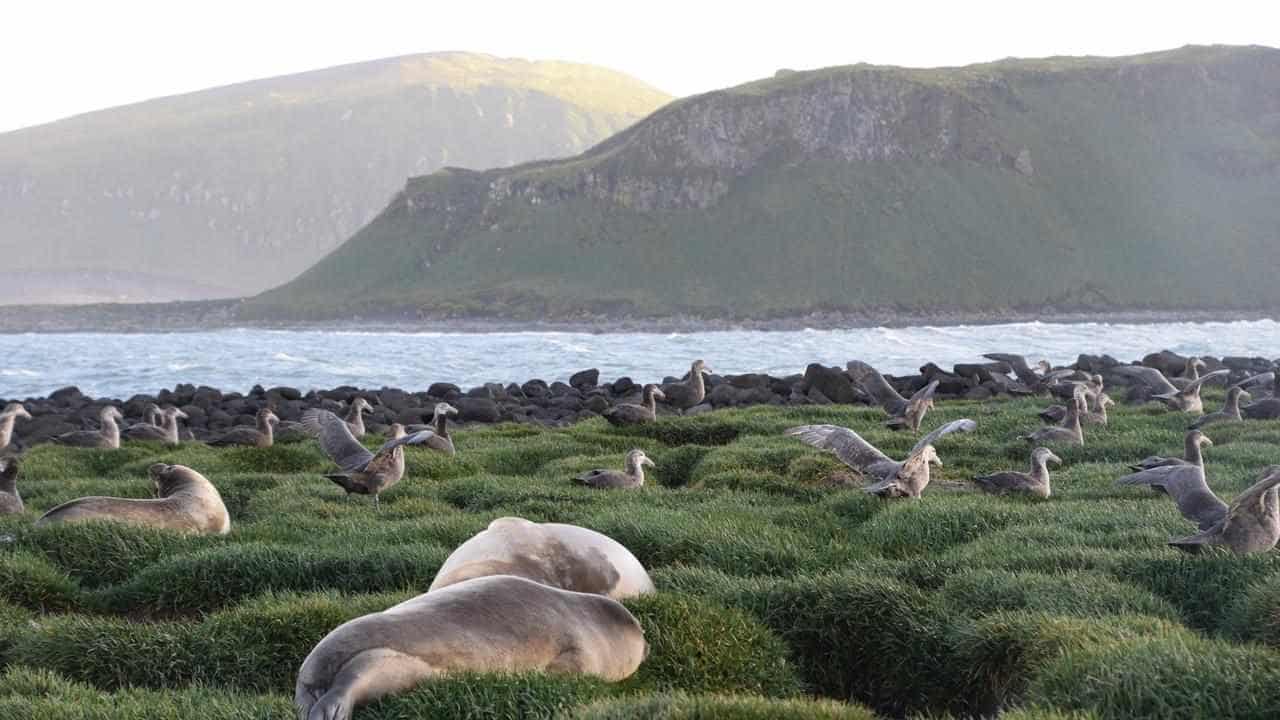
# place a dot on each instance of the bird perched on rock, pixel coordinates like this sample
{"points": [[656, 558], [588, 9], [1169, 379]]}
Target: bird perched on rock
{"points": [[631, 414], [106, 437], [903, 413], [892, 478], [362, 472], [632, 477], [167, 432], [1186, 399], [684, 395], [261, 436], [11, 413]]}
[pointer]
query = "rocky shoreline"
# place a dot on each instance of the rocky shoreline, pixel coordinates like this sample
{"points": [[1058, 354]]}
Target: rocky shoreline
{"points": [[211, 411], [200, 316]]}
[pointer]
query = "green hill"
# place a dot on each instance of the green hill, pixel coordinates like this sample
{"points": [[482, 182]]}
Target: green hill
{"points": [[233, 190], [1137, 182]]}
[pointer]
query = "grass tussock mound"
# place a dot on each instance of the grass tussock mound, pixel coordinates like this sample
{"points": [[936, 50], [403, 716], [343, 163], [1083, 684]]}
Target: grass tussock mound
{"points": [[778, 578], [682, 706]]}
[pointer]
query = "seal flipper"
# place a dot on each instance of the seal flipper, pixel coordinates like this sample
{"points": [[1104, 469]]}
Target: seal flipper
{"points": [[333, 705]]}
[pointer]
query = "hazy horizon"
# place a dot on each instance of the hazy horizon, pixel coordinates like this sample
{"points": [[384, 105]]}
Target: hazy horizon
{"points": [[111, 56]]}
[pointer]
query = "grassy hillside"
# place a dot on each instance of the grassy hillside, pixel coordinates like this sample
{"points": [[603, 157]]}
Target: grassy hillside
{"points": [[775, 582], [236, 189], [1141, 182]]}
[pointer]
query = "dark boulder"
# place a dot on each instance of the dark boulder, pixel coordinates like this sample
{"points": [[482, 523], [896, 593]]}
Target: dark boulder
{"points": [[477, 410], [443, 390], [585, 379], [535, 388], [66, 396], [832, 383], [622, 385]]}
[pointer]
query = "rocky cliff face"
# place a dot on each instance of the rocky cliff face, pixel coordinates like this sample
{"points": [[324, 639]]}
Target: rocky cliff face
{"points": [[847, 187], [236, 189]]}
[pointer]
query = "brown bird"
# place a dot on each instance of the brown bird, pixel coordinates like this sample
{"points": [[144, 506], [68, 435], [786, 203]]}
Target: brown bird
{"points": [[631, 414], [355, 416], [106, 437], [893, 478], [1251, 523], [165, 433], [363, 472], [903, 413], [1230, 411], [1009, 482], [261, 436], [632, 477], [10, 500], [684, 395], [1069, 432], [1186, 399], [1192, 443], [442, 441]]}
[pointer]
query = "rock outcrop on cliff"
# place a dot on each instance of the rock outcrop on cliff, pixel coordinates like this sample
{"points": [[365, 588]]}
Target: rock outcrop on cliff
{"points": [[1137, 182]]}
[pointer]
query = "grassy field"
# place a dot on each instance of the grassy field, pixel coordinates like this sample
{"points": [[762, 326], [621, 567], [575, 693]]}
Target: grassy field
{"points": [[783, 594]]}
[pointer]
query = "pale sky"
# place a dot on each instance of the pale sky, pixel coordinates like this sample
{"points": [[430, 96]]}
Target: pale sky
{"points": [[59, 57]]}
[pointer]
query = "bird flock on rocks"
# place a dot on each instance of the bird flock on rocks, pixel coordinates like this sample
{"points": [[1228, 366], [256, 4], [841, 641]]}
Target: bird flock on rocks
{"points": [[569, 579]]}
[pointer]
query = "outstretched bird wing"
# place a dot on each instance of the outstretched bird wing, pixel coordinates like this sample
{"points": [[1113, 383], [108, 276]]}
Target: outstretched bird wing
{"points": [[1150, 377], [843, 442], [1186, 485], [336, 440], [1194, 386], [961, 425], [874, 383]]}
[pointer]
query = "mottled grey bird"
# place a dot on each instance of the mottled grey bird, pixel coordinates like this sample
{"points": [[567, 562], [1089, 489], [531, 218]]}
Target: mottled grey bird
{"points": [[355, 416], [1186, 399], [1187, 486], [892, 478], [903, 413], [1192, 453], [1251, 523], [167, 432], [106, 437], [1069, 432], [441, 440], [362, 472], [1230, 411], [11, 413]]}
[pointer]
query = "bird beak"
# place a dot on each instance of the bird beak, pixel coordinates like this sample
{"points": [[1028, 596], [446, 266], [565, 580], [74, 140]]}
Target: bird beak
{"points": [[1206, 440], [1055, 459]]}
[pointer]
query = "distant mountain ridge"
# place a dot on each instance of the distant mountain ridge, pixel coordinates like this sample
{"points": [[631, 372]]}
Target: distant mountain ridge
{"points": [[1138, 182], [239, 188]]}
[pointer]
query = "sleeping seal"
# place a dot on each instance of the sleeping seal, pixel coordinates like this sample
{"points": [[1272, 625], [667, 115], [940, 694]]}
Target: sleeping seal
{"points": [[185, 500], [492, 624], [563, 556]]}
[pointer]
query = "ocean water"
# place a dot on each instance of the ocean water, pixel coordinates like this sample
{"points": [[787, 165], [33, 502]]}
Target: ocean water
{"points": [[120, 365]]}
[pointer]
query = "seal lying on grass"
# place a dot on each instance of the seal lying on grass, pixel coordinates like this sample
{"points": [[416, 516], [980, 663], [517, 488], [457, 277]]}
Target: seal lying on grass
{"points": [[185, 500], [491, 624], [562, 556]]}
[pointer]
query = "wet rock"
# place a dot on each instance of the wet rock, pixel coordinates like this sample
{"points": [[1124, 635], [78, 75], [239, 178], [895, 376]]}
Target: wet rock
{"points": [[622, 385], [477, 410], [66, 396], [749, 380], [535, 389], [596, 404], [585, 379], [832, 383], [443, 390], [559, 389]]}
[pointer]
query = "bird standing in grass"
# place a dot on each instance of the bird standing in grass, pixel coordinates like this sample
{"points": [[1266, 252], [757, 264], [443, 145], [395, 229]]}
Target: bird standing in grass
{"points": [[362, 472], [893, 478], [632, 477], [442, 441], [1251, 523], [903, 414]]}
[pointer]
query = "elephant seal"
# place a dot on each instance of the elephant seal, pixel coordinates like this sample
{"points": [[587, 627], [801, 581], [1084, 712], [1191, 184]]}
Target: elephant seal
{"points": [[185, 500], [562, 556], [491, 624]]}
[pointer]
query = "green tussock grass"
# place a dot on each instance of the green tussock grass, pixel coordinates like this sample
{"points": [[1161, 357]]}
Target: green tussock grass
{"points": [[781, 594]]}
